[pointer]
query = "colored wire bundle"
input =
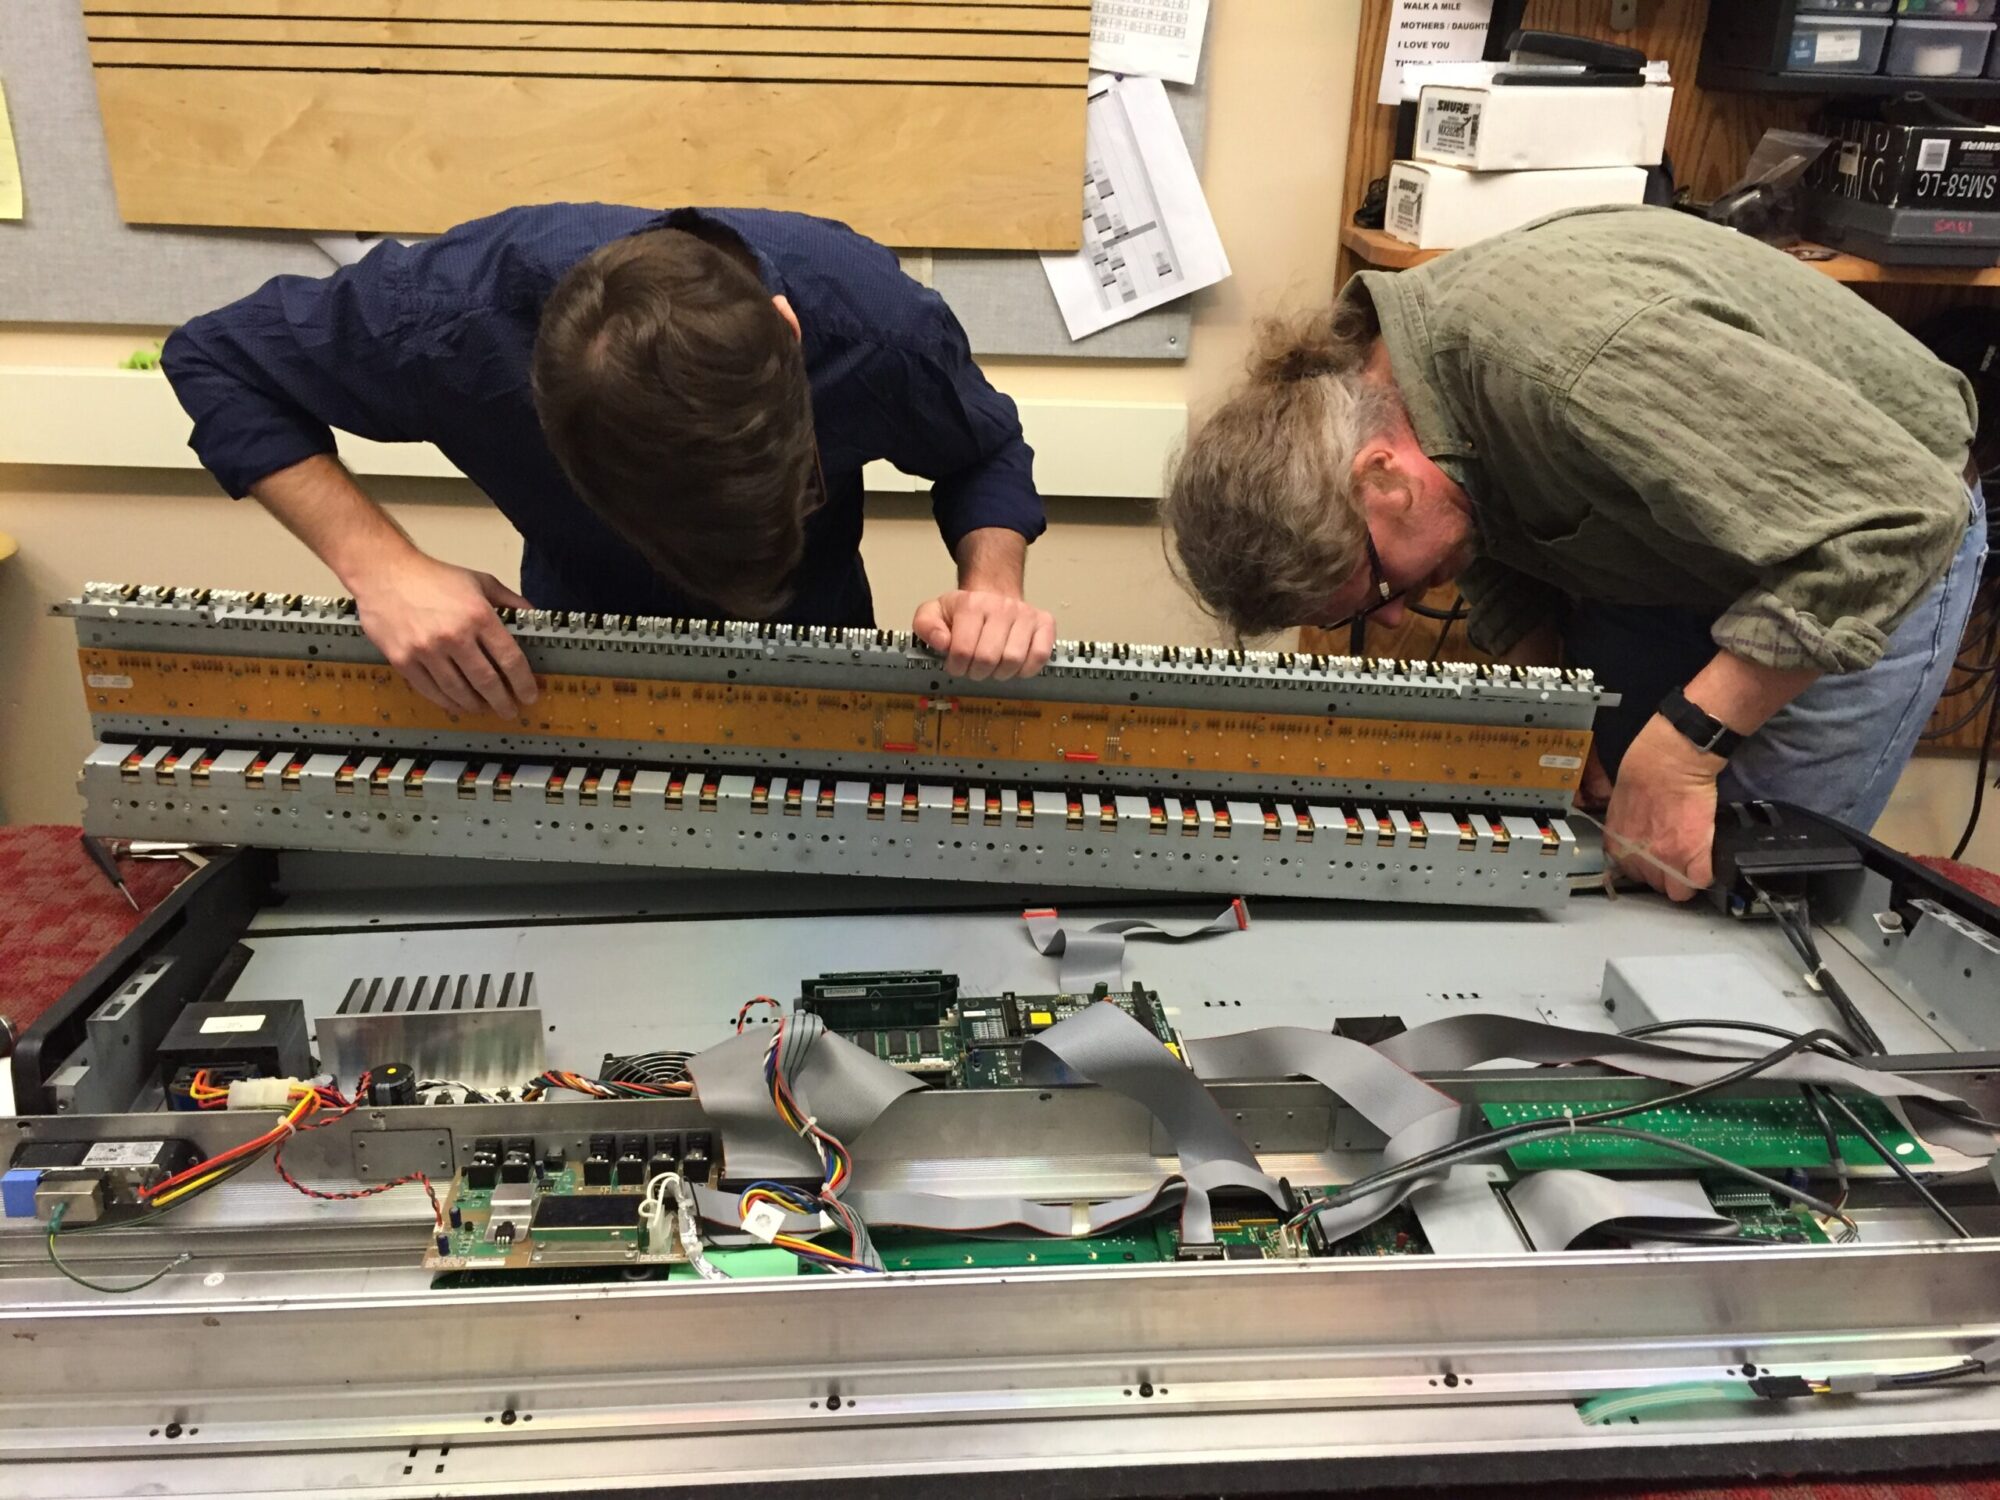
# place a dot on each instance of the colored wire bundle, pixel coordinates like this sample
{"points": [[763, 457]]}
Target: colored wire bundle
{"points": [[601, 1088], [835, 1164], [750, 1005], [786, 1053], [206, 1174], [798, 1201], [205, 1093]]}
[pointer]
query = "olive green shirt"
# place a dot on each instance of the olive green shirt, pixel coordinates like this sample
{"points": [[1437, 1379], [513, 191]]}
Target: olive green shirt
{"points": [[1647, 409]]}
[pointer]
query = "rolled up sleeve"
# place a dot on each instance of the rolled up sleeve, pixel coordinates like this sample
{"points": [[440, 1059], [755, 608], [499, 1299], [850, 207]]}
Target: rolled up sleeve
{"points": [[1730, 443], [267, 378], [942, 421]]}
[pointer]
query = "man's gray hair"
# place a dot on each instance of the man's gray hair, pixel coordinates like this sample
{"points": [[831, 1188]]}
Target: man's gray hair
{"points": [[1263, 507]]}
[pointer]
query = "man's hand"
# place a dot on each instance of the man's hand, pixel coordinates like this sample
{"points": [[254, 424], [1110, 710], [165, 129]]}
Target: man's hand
{"points": [[984, 628], [983, 634], [1662, 811], [435, 623]]}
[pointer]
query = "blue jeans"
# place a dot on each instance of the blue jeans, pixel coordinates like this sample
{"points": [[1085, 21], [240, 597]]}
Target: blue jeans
{"points": [[1839, 746]]}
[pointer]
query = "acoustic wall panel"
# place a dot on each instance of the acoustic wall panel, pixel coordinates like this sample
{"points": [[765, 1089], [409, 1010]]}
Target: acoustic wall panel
{"points": [[934, 125]]}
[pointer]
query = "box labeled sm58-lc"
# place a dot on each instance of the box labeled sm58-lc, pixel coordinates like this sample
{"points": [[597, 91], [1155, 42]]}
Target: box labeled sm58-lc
{"points": [[1871, 162]]}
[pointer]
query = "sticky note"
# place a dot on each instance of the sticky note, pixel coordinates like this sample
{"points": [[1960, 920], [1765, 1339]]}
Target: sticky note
{"points": [[10, 166]]}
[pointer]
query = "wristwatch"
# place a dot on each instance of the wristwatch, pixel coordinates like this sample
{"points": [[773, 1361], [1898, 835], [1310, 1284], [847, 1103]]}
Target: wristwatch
{"points": [[1707, 733]]}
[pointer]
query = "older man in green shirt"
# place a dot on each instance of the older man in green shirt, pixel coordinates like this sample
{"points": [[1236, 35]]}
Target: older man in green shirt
{"points": [[1737, 490]]}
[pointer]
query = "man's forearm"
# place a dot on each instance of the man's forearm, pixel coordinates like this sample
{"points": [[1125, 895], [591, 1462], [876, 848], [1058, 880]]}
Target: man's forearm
{"points": [[992, 560], [1743, 694], [320, 504]]}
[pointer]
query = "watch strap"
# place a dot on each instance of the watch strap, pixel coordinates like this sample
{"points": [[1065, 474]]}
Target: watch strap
{"points": [[1706, 732]]}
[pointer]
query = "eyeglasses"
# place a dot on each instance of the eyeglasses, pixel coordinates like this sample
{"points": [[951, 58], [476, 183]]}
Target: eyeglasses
{"points": [[1378, 585]]}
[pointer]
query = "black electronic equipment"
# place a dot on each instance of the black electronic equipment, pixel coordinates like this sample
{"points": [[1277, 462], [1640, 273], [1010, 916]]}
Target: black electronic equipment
{"points": [[268, 1037], [1765, 845]]}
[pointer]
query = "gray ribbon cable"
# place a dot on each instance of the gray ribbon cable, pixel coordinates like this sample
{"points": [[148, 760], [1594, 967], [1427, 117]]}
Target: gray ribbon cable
{"points": [[847, 1089], [1416, 1117], [834, 1081], [1557, 1208], [1104, 1045], [1096, 955], [1461, 1042]]}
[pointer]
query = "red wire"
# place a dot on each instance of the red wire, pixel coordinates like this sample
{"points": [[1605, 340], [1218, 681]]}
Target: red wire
{"points": [[360, 1093]]}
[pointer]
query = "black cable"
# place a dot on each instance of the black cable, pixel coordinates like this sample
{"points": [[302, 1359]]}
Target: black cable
{"points": [[1539, 1129], [1734, 1236], [1756, 1026], [1895, 1164], [1964, 1116], [1459, 611], [1834, 1155], [1444, 630], [1937, 1377], [1794, 919], [1497, 1141], [1979, 706]]}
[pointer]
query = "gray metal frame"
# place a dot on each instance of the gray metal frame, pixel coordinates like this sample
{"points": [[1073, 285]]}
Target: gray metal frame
{"points": [[322, 629], [1422, 861], [305, 1351]]}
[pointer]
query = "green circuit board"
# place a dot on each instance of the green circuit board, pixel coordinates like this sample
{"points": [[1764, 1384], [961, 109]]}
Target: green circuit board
{"points": [[1763, 1217], [916, 1020], [1760, 1133], [1244, 1238], [992, 1032], [569, 1221]]}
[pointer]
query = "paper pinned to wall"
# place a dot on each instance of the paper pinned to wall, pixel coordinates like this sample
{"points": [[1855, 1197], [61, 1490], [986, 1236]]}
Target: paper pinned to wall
{"points": [[1148, 38], [1431, 31], [10, 165], [1148, 237]]}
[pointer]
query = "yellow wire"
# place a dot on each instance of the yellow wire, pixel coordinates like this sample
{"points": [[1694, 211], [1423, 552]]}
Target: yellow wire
{"points": [[307, 1099], [188, 1187]]}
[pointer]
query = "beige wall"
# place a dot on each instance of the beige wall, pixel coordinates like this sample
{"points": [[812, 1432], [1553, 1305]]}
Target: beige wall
{"points": [[1280, 76]]}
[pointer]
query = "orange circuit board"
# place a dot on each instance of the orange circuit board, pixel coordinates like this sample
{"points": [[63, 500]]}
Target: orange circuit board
{"points": [[255, 691]]}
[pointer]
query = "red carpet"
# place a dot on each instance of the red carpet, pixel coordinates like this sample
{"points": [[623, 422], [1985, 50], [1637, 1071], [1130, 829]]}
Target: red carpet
{"points": [[61, 914], [1982, 883]]}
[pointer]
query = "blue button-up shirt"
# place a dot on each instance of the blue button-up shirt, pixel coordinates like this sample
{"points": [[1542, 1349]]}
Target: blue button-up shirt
{"points": [[432, 342]]}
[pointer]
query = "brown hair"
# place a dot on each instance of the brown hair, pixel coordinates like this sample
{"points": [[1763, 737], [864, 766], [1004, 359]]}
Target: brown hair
{"points": [[674, 396], [1263, 506]]}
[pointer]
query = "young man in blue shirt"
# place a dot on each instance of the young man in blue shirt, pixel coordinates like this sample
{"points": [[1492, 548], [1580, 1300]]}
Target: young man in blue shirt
{"points": [[672, 408]]}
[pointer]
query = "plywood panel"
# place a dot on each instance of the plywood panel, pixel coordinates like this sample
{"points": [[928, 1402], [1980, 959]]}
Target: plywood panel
{"points": [[956, 126]]}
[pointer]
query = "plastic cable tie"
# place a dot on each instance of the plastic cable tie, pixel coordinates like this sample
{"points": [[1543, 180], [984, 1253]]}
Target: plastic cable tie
{"points": [[764, 1221]]}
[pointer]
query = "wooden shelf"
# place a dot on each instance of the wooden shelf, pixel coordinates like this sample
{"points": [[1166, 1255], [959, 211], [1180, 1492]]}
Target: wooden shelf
{"points": [[1383, 250], [1855, 270]]}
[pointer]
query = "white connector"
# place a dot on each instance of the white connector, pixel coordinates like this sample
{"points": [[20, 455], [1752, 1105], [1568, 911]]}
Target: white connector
{"points": [[262, 1093]]}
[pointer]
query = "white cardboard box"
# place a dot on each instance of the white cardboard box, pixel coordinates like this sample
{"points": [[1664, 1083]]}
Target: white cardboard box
{"points": [[1440, 208], [1503, 128]]}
